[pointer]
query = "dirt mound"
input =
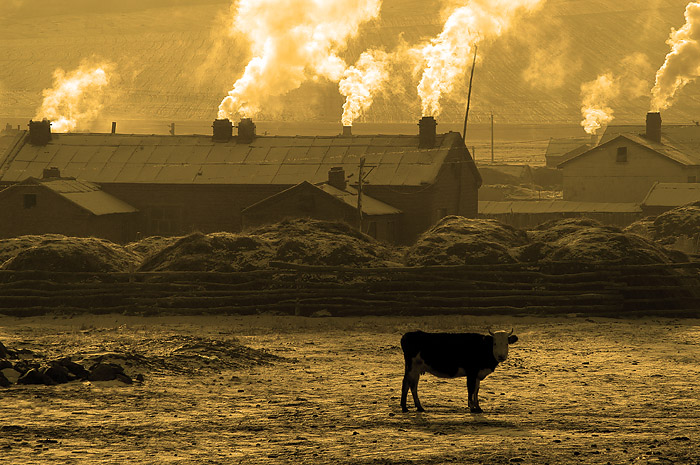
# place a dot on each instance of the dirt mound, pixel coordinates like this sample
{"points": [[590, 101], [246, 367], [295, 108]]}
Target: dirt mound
{"points": [[456, 240], [586, 240], [9, 248], [681, 221], [643, 227], [78, 254]]}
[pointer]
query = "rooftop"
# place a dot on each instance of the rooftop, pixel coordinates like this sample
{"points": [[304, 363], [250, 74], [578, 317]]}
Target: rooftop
{"points": [[117, 158], [671, 194]]}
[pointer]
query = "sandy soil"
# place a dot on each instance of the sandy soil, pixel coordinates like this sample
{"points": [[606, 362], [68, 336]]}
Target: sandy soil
{"points": [[572, 391]]}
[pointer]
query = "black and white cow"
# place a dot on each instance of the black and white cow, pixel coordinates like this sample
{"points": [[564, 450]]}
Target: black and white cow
{"points": [[450, 355]]}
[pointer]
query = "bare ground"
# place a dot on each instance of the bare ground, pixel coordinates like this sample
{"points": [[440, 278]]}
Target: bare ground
{"points": [[572, 391]]}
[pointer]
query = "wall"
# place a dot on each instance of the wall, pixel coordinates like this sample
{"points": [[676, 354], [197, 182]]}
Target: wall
{"points": [[55, 214], [598, 177]]}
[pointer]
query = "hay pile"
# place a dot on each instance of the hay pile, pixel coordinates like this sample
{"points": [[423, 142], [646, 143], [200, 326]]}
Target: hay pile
{"points": [[301, 241], [681, 221], [463, 241], [54, 252], [586, 240], [456, 240]]}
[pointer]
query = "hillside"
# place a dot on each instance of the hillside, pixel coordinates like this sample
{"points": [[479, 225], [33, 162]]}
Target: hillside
{"points": [[172, 66]]}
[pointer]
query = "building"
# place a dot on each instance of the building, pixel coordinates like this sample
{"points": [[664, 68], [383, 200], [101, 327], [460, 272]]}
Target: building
{"points": [[54, 204], [199, 182], [664, 196], [625, 166], [560, 149], [529, 213], [333, 201]]}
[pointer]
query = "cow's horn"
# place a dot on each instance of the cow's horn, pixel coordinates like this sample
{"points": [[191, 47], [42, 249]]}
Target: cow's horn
{"points": [[490, 332], [511, 331]]}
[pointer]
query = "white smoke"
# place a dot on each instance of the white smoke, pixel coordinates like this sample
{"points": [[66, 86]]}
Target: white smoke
{"points": [[597, 95], [361, 82], [75, 98], [682, 64], [292, 41], [446, 58]]}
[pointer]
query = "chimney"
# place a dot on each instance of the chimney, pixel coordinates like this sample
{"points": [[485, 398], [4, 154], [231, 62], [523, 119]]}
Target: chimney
{"points": [[347, 131], [654, 126], [114, 127], [223, 130], [336, 177], [52, 172], [39, 132], [426, 132], [246, 131]]}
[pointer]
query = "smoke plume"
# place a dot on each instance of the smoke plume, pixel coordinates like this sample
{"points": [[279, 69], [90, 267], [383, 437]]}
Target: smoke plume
{"points": [[76, 97], [682, 64], [361, 82], [292, 41], [446, 57], [597, 95]]}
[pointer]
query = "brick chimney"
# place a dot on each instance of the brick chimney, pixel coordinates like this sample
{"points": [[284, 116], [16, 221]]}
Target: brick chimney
{"points": [[653, 126], [52, 172], [426, 132], [246, 131], [336, 177], [39, 132], [347, 131], [223, 130]]}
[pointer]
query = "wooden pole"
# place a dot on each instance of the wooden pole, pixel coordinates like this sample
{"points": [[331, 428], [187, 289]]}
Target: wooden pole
{"points": [[469, 98], [491, 137], [359, 193]]}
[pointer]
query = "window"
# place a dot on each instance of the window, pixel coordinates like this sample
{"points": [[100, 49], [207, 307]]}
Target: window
{"points": [[621, 154], [29, 200]]}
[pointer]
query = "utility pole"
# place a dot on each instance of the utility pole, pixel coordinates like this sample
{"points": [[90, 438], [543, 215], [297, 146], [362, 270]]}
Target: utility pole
{"points": [[469, 98], [492, 138], [172, 129], [359, 193]]}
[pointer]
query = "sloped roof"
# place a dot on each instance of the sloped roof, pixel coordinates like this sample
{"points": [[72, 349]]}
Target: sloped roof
{"points": [[560, 146], [672, 194], [554, 206], [114, 158], [84, 194], [370, 205], [10, 141], [685, 138], [663, 149]]}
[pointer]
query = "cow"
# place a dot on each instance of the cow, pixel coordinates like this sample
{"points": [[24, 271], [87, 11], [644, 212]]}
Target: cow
{"points": [[451, 355]]}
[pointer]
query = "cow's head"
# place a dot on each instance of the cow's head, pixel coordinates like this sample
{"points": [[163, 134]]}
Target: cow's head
{"points": [[501, 339]]}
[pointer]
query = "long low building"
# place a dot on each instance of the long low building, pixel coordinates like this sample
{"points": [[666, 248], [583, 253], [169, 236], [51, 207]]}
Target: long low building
{"points": [[529, 213], [181, 184]]}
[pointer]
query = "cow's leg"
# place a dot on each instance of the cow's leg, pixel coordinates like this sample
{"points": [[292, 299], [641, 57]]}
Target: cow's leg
{"points": [[414, 393], [404, 391], [473, 390]]}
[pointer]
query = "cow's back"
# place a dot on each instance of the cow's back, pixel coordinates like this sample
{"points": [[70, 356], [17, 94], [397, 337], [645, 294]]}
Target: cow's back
{"points": [[447, 352]]}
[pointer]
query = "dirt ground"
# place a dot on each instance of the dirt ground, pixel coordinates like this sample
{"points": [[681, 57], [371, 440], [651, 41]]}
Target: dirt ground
{"points": [[573, 390]]}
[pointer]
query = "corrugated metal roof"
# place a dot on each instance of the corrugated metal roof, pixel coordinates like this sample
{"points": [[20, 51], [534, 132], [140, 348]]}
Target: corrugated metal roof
{"points": [[107, 158], [370, 205], [86, 195], [554, 206], [671, 194]]}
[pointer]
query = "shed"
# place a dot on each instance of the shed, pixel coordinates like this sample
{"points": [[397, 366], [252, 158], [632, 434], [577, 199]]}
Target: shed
{"points": [[529, 213], [664, 196], [65, 206]]}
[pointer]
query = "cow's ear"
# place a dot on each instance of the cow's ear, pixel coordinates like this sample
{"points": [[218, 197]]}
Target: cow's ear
{"points": [[512, 339]]}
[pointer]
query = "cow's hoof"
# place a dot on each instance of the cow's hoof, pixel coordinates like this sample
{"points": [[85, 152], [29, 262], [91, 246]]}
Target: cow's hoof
{"points": [[404, 409], [477, 410], [420, 409]]}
